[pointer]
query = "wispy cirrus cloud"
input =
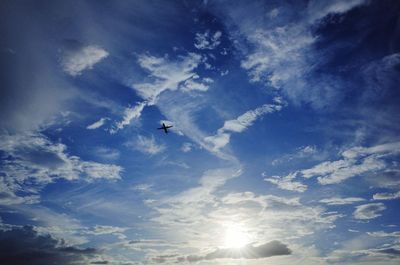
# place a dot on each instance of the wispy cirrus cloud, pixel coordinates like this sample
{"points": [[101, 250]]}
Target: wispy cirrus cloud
{"points": [[146, 145], [106, 153], [309, 152], [384, 234], [286, 182], [107, 230], [386, 196], [319, 9], [164, 74], [207, 40], [202, 208], [368, 211], [278, 50], [238, 125], [341, 201], [130, 114], [354, 162], [186, 147], [34, 157], [75, 61], [97, 124]]}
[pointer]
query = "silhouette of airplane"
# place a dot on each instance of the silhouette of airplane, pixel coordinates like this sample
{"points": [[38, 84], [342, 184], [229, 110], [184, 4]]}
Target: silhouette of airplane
{"points": [[165, 128]]}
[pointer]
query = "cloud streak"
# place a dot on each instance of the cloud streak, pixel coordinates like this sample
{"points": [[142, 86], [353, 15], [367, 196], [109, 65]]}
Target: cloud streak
{"points": [[341, 201], [97, 124], [238, 125], [273, 248]]}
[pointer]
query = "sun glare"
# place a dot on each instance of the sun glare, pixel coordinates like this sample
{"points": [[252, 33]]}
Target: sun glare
{"points": [[235, 237]]}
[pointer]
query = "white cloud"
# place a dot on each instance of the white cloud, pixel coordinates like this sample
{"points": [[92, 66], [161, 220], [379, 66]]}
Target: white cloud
{"points": [[356, 161], [238, 125], [183, 111], [341, 201], [207, 41], [367, 248], [339, 174], [388, 148], [164, 74], [76, 61], [384, 234], [319, 9], [280, 54], [380, 77], [194, 84], [218, 141], [143, 187], [167, 74], [224, 73], [274, 212], [59, 225], [248, 118], [8, 197], [97, 124], [368, 211], [207, 207], [186, 207], [35, 158], [130, 114], [106, 153], [287, 183], [106, 230], [387, 196], [186, 147], [146, 145], [309, 152], [280, 60], [389, 178], [94, 170]]}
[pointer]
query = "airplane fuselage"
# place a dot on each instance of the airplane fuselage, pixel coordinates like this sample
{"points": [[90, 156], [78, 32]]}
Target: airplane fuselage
{"points": [[165, 128]]}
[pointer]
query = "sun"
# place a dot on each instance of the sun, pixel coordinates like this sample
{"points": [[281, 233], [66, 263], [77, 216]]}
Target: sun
{"points": [[235, 236]]}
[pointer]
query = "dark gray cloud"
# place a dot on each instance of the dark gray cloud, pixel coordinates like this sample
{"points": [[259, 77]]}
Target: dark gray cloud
{"points": [[273, 248], [25, 245]]}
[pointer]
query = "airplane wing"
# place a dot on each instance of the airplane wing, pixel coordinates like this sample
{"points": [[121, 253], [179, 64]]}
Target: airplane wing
{"points": [[170, 126]]}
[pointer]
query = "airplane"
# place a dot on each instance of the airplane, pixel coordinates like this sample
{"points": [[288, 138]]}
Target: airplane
{"points": [[165, 128]]}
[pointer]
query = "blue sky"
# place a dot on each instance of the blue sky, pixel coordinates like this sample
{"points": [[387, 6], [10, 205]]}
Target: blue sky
{"points": [[284, 148]]}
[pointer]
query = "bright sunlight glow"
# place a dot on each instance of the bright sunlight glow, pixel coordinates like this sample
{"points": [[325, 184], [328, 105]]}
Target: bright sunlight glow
{"points": [[235, 237]]}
